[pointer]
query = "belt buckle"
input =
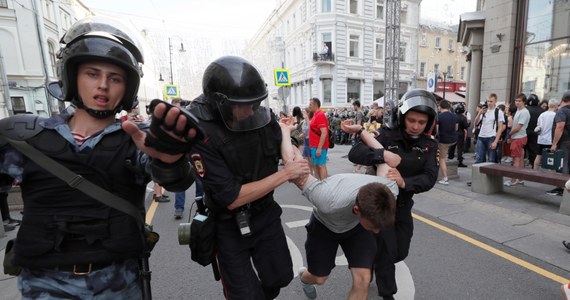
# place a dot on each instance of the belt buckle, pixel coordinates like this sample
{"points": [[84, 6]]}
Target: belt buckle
{"points": [[82, 273]]}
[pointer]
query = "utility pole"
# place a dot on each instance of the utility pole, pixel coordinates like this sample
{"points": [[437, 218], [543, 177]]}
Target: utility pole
{"points": [[392, 60]]}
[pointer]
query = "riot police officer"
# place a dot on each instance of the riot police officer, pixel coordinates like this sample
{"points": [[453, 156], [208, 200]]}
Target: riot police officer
{"points": [[69, 244], [238, 163], [416, 173]]}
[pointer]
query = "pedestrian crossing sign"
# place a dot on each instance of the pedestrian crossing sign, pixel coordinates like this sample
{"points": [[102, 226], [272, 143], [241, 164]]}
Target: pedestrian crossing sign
{"points": [[282, 77], [171, 91]]}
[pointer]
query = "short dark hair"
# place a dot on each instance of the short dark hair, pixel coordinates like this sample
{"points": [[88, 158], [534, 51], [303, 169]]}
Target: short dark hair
{"points": [[444, 104], [356, 103], [521, 96], [317, 101], [297, 112], [377, 204], [566, 96]]}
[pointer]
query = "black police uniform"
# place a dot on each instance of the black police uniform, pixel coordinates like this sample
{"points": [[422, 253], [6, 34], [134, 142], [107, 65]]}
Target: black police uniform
{"points": [[226, 160], [419, 168]]}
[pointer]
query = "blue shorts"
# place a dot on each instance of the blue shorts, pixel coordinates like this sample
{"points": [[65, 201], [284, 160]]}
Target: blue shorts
{"points": [[321, 160]]}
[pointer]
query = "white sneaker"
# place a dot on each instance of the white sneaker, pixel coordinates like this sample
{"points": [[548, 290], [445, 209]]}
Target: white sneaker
{"points": [[309, 289], [565, 289], [444, 182]]}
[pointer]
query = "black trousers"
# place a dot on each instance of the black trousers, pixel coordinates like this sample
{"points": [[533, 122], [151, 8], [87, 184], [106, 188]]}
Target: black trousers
{"points": [[393, 247], [4, 209], [460, 146]]}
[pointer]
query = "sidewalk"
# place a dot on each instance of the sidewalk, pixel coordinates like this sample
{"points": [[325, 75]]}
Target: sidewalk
{"points": [[523, 218]]}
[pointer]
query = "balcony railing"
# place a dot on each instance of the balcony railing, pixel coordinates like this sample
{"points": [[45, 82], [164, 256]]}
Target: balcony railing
{"points": [[329, 57]]}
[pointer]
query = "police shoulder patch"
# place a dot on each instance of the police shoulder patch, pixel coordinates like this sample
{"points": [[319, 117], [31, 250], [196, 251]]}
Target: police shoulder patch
{"points": [[198, 164]]}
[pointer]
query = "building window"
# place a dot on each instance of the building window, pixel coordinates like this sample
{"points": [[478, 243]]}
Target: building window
{"points": [[449, 72], [424, 40], [450, 45], [18, 105], [378, 90], [380, 9], [353, 6], [436, 69], [326, 5], [48, 13], [422, 69], [462, 73], [353, 89], [546, 60], [4, 3], [51, 49], [354, 41], [327, 90], [403, 51], [437, 42], [379, 48], [404, 17]]}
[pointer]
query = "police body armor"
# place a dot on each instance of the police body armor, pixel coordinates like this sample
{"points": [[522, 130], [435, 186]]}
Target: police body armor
{"points": [[62, 225], [250, 155]]}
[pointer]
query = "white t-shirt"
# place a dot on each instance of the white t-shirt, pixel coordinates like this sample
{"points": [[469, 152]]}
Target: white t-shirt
{"points": [[522, 117], [334, 197], [545, 121], [488, 126]]}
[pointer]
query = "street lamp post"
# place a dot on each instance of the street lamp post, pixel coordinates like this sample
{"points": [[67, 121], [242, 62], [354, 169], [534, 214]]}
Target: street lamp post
{"points": [[444, 78], [170, 55]]}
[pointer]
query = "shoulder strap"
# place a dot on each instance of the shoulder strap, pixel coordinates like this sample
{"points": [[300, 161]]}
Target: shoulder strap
{"points": [[496, 125], [77, 181]]}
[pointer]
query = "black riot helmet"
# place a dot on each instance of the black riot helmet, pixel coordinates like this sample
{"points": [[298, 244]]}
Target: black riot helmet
{"points": [[421, 101], [236, 90], [460, 108], [99, 39], [532, 100]]}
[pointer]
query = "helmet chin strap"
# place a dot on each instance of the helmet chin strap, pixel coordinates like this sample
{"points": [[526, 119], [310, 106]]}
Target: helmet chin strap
{"points": [[98, 114]]}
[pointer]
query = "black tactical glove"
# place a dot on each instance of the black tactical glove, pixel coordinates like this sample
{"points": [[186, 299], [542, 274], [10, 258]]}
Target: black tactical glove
{"points": [[162, 141]]}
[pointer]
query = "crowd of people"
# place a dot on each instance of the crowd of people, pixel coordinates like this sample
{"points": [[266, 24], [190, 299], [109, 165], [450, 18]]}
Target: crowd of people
{"points": [[72, 245]]}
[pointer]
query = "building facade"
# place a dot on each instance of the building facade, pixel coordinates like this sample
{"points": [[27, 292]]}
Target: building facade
{"points": [[30, 31], [333, 49], [441, 56], [517, 46]]}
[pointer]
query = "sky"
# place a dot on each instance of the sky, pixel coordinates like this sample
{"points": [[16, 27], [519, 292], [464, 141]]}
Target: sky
{"points": [[216, 18], [237, 18], [212, 28]]}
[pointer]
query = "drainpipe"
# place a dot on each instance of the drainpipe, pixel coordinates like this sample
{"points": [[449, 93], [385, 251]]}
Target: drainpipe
{"points": [[44, 60]]}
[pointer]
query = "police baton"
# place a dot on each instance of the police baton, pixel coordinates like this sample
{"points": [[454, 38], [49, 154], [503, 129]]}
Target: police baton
{"points": [[145, 276]]}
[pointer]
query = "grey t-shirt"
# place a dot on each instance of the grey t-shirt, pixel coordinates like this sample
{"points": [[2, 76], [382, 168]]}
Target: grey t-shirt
{"points": [[334, 197]]}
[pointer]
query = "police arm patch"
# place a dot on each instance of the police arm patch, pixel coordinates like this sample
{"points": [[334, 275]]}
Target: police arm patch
{"points": [[198, 164]]}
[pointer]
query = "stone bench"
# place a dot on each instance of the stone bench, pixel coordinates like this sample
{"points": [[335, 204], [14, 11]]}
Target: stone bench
{"points": [[487, 178]]}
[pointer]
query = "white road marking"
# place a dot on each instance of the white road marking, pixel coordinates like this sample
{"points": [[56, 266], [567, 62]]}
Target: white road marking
{"points": [[296, 224]]}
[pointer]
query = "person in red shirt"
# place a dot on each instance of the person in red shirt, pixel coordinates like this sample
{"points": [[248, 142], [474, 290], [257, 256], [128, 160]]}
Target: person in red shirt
{"points": [[318, 139]]}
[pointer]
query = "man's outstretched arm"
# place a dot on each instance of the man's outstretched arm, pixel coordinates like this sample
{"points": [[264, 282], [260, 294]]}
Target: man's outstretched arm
{"points": [[291, 153]]}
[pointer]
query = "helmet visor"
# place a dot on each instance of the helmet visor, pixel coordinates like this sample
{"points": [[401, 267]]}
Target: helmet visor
{"points": [[421, 104], [243, 116]]}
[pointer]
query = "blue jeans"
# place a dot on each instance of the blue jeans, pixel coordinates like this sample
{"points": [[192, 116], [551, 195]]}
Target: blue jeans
{"points": [[484, 151], [180, 197]]}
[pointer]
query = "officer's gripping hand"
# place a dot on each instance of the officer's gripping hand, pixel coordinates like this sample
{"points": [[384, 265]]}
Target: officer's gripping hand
{"points": [[172, 133], [297, 167]]}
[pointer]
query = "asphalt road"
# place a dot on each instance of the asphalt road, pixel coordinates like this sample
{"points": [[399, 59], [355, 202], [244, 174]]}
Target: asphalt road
{"points": [[441, 265]]}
